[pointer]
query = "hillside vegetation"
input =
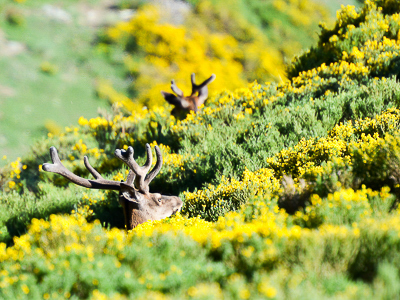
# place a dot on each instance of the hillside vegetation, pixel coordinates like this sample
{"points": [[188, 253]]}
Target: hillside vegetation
{"points": [[63, 59], [245, 40], [48, 70], [290, 189]]}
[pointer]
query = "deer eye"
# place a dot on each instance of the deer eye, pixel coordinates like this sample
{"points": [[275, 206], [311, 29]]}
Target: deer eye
{"points": [[157, 197]]}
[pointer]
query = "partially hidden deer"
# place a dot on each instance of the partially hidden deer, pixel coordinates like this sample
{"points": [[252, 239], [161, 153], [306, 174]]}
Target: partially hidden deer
{"points": [[139, 205], [183, 104]]}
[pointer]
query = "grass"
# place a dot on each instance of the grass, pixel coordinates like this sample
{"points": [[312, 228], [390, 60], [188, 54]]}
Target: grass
{"points": [[53, 80]]}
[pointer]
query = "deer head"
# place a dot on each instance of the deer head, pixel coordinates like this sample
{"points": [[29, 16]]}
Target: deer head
{"points": [[139, 205], [185, 104]]}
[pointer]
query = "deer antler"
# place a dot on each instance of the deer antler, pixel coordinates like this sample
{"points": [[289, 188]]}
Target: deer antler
{"points": [[191, 102], [139, 205], [175, 89], [137, 173], [202, 88], [59, 168]]}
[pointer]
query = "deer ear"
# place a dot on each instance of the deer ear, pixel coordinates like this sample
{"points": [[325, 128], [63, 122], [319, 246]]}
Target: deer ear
{"points": [[171, 98], [129, 193], [175, 100]]}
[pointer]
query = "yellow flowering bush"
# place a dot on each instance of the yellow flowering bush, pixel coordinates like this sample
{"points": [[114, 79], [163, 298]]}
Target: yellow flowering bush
{"points": [[176, 51], [290, 189], [11, 175], [212, 38], [345, 206], [64, 244], [362, 44], [230, 194], [344, 141]]}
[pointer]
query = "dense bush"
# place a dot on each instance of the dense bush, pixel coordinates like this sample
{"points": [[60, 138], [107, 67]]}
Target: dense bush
{"points": [[246, 40], [290, 189]]}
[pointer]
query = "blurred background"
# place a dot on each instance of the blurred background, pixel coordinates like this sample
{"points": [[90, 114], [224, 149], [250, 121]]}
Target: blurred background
{"points": [[62, 59]]}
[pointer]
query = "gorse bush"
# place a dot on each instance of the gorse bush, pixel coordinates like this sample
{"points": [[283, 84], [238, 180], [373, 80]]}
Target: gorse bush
{"points": [[166, 47], [361, 43], [289, 189], [209, 38], [184, 252]]}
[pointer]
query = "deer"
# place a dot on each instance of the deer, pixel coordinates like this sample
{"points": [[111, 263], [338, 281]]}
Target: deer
{"points": [[139, 205], [183, 104]]}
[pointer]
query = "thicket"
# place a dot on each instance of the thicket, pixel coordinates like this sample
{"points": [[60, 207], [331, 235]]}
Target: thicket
{"points": [[246, 40], [290, 189]]}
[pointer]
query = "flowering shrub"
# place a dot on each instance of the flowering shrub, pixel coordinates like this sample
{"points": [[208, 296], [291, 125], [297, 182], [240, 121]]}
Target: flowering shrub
{"points": [[362, 43], [225, 44], [171, 48], [178, 249], [213, 202], [14, 170], [289, 189]]}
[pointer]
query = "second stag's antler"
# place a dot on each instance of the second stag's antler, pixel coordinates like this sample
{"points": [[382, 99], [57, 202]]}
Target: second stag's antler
{"points": [[138, 203], [192, 102]]}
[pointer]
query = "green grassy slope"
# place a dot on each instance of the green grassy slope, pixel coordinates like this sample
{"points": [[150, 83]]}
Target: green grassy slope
{"points": [[51, 81]]}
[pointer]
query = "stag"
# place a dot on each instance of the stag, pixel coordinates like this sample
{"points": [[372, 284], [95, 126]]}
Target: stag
{"points": [[185, 104], [139, 205]]}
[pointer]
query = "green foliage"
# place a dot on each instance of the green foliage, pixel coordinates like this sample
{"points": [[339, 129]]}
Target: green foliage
{"points": [[290, 189], [38, 47], [15, 17], [360, 36], [211, 145], [168, 271], [243, 41], [247, 40]]}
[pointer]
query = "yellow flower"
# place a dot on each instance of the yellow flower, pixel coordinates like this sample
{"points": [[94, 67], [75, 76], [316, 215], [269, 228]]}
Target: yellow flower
{"points": [[25, 289]]}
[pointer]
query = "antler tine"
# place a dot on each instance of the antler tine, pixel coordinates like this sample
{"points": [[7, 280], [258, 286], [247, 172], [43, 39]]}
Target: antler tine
{"points": [[141, 181], [199, 88], [58, 168], [91, 169], [175, 89], [153, 173], [192, 79], [131, 178], [207, 81]]}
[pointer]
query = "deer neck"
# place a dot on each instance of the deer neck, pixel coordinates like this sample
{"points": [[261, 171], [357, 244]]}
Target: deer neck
{"points": [[133, 216]]}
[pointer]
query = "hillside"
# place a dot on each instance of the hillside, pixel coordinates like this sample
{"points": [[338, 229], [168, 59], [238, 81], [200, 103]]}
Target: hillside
{"points": [[290, 189], [49, 70], [64, 59]]}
